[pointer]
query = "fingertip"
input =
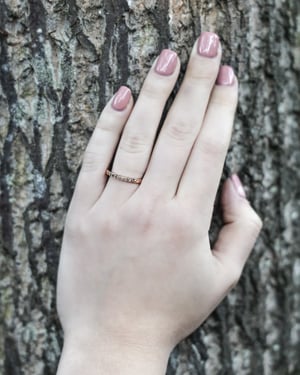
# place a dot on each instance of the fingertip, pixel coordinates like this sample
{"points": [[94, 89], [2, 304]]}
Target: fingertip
{"points": [[225, 92], [226, 76], [208, 45], [166, 63], [240, 231], [233, 190], [238, 186], [121, 99], [236, 205]]}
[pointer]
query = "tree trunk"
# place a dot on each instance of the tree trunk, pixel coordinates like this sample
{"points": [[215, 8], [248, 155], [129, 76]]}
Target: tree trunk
{"points": [[60, 62]]}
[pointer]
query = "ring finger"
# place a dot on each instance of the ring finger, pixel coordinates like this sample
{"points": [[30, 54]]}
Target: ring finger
{"points": [[136, 143]]}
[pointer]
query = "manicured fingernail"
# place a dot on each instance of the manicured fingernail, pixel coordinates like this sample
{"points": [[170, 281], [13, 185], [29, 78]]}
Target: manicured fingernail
{"points": [[238, 185], [225, 76], [166, 62], [121, 98], [208, 44]]}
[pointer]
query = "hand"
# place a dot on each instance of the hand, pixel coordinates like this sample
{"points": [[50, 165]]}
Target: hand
{"points": [[137, 273]]}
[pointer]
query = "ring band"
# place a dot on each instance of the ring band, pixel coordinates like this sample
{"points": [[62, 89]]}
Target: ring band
{"points": [[119, 177]]}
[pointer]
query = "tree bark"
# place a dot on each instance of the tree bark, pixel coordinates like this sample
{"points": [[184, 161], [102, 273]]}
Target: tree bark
{"points": [[60, 62]]}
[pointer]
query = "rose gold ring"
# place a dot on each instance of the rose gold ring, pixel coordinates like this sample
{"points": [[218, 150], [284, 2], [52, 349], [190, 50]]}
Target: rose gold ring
{"points": [[119, 177]]}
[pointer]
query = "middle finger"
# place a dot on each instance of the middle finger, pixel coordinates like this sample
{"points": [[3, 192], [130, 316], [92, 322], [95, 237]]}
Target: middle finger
{"points": [[184, 119]]}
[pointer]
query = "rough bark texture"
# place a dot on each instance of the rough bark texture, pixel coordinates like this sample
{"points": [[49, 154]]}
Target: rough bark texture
{"points": [[60, 61]]}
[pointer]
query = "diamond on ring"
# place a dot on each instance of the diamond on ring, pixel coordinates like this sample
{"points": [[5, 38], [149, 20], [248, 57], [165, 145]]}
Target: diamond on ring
{"points": [[119, 177]]}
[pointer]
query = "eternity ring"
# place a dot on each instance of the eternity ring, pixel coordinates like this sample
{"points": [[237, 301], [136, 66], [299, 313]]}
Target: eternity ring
{"points": [[119, 177]]}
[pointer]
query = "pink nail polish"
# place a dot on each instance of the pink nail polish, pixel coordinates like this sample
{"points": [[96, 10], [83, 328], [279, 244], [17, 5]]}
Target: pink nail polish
{"points": [[225, 76], [166, 62], [238, 185], [208, 44], [121, 98]]}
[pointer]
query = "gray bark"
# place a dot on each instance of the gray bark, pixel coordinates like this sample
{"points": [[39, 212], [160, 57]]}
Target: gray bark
{"points": [[60, 61]]}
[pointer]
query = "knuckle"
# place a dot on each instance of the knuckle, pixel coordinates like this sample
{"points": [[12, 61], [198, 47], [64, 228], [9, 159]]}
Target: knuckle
{"points": [[212, 146], [105, 124], [91, 161], [225, 100], [76, 227], [82, 227], [145, 221], [110, 121], [255, 222], [140, 217], [152, 87], [180, 130], [206, 72], [108, 227], [183, 227], [133, 143]]}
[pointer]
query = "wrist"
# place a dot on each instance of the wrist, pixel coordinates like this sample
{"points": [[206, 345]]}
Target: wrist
{"points": [[103, 355]]}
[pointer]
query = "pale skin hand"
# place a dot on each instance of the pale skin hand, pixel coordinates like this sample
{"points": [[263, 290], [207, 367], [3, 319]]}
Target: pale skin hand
{"points": [[137, 273]]}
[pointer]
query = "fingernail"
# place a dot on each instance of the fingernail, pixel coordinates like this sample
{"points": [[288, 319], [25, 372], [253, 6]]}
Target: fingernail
{"points": [[238, 185], [208, 44], [121, 98], [166, 62], [225, 76]]}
